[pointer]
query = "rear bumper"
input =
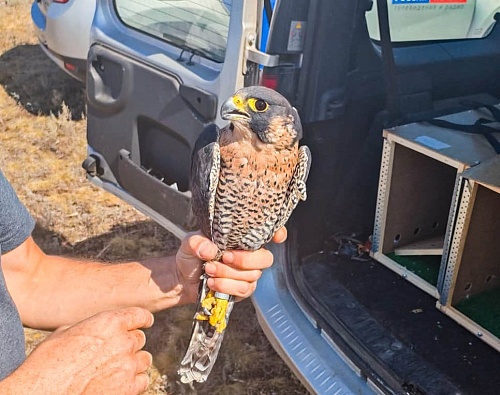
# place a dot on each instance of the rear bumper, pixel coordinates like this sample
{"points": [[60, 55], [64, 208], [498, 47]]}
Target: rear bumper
{"points": [[64, 33], [78, 66], [320, 366]]}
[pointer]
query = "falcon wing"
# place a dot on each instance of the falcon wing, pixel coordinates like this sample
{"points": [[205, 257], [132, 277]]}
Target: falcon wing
{"points": [[297, 188], [205, 167]]}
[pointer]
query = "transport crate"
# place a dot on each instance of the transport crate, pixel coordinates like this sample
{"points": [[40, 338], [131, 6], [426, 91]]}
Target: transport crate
{"points": [[470, 286], [418, 182]]}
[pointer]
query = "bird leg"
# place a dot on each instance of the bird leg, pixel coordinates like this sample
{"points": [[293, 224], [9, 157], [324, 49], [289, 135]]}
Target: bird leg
{"points": [[214, 307], [209, 324], [214, 304]]}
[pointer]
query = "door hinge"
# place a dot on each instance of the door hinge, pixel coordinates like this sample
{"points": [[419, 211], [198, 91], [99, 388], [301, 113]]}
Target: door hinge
{"points": [[252, 54]]}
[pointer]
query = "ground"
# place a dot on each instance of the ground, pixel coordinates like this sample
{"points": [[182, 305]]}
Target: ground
{"points": [[42, 146]]}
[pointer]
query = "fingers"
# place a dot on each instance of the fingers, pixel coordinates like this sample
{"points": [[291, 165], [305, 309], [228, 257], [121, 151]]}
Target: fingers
{"points": [[134, 317], [194, 249], [141, 383], [138, 339], [280, 235], [229, 286], [144, 360], [127, 318], [109, 349], [239, 275], [248, 260], [197, 245], [218, 270]]}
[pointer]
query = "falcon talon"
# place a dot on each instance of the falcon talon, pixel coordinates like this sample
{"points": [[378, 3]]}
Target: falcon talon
{"points": [[246, 180], [218, 257], [204, 276], [207, 312]]}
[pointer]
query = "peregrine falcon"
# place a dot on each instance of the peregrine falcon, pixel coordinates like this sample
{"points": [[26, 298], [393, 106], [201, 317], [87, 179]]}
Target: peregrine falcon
{"points": [[246, 180]]}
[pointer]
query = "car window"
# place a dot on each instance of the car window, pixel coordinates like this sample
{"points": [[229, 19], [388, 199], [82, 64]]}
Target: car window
{"points": [[199, 26], [427, 20]]}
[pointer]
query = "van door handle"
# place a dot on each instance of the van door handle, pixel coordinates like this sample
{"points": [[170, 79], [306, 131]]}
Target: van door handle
{"points": [[108, 81]]}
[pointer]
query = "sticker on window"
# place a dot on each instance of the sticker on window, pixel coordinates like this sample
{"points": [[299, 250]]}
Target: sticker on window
{"points": [[426, 1], [424, 20]]}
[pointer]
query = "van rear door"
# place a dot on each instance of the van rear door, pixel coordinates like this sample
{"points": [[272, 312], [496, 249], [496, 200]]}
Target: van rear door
{"points": [[158, 71]]}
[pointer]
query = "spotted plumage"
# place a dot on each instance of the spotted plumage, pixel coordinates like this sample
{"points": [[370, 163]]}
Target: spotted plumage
{"points": [[246, 180]]}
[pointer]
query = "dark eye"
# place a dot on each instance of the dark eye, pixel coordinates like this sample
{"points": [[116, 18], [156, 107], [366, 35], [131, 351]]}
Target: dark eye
{"points": [[257, 105], [260, 105]]}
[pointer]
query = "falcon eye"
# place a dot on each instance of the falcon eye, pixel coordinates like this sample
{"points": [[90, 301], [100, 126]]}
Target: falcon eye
{"points": [[258, 105]]}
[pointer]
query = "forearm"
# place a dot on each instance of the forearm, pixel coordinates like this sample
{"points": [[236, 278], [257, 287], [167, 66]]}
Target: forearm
{"points": [[77, 290], [52, 291], [61, 291]]}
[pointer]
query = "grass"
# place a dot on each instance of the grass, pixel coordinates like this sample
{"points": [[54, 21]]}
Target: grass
{"points": [[42, 146]]}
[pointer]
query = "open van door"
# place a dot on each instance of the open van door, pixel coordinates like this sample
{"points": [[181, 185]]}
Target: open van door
{"points": [[157, 73]]}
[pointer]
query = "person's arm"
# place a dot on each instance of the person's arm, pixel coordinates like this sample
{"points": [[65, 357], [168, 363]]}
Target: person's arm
{"points": [[52, 291]]}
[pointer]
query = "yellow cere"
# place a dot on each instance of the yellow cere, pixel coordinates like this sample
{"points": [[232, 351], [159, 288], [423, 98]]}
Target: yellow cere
{"points": [[238, 102]]}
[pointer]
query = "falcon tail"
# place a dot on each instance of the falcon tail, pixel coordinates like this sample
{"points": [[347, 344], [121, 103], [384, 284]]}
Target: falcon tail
{"points": [[210, 320]]}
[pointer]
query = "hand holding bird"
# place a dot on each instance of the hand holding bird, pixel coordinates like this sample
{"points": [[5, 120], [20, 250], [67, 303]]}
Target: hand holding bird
{"points": [[246, 180], [237, 274]]}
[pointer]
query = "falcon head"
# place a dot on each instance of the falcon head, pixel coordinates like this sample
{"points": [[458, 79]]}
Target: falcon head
{"points": [[263, 111]]}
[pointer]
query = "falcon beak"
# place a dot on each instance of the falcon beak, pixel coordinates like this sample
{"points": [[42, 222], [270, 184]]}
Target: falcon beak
{"points": [[233, 109]]}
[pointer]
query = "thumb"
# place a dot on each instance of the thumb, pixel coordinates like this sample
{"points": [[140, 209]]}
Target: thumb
{"points": [[194, 250]]}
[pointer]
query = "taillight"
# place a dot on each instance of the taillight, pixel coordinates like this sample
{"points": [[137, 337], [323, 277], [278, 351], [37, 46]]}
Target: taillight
{"points": [[282, 78], [60, 1], [70, 66], [269, 81]]}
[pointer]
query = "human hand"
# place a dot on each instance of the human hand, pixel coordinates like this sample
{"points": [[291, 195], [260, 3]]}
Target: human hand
{"points": [[100, 355], [236, 275]]}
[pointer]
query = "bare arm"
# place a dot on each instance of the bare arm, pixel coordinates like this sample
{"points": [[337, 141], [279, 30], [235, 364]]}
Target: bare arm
{"points": [[52, 291]]}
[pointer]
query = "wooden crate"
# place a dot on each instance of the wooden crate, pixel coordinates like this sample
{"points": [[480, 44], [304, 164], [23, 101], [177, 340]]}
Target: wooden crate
{"points": [[473, 264], [418, 181]]}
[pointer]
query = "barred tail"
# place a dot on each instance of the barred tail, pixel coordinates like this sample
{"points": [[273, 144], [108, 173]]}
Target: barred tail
{"points": [[209, 324]]}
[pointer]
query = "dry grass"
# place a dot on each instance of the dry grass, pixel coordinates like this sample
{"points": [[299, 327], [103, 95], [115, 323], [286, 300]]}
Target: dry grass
{"points": [[42, 144]]}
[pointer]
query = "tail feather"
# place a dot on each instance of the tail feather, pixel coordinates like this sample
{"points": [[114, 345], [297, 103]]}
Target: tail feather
{"points": [[210, 320]]}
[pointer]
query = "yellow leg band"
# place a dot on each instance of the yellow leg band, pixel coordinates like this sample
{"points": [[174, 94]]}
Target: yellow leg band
{"points": [[218, 317]]}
